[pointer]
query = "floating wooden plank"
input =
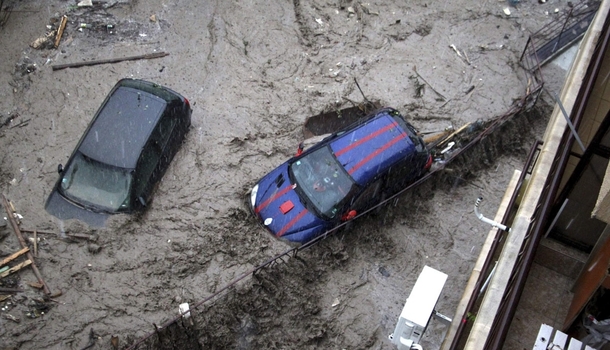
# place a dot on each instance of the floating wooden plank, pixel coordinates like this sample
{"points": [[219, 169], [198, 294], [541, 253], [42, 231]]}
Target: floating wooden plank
{"points": [[16, 268], [110, 60], [14, 256], [35, 285], [86, 236], [35, 244], [39, 232], [60, 31]]}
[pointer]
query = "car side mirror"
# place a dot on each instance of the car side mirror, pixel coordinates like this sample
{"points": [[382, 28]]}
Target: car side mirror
{"points": [[142, 201], [60, 168], [300, 149], [349, 215]]}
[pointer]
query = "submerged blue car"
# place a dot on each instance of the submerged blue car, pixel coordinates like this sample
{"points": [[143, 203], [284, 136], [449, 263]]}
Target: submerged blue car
{"points": [[345, 174]]}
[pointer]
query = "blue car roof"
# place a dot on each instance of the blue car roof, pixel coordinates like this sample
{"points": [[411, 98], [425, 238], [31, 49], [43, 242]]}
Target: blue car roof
{"points": [[372, 147]]}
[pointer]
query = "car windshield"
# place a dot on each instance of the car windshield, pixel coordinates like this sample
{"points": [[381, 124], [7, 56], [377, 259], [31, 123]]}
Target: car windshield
{"points": [[94, 184], [322, 179]]}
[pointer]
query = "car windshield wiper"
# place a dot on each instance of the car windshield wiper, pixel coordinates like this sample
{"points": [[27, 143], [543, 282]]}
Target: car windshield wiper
{"points": [[82, 205]]}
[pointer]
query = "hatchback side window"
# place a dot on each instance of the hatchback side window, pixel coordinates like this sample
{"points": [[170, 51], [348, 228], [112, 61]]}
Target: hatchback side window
{"points": [[164, 129], [368, 197], [146, 166], [152, 152], [402, 174]]}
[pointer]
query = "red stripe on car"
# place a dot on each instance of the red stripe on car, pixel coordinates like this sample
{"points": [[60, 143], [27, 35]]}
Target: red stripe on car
{"points": [[292, 222], [376, 153], [393, 124], [274, 197]]}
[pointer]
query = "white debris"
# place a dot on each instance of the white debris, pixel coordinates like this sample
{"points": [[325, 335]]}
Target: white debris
{"points": [[184, 310]]}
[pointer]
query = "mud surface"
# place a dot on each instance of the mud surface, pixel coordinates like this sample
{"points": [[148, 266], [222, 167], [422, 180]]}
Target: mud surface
{"points": [[254, 71]]}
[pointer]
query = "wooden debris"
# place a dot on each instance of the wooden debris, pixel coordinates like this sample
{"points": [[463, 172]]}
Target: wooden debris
{"points": [[437, 137], [60, 31], [110, 60], [86, 236], [14, 256], [38, 231], [43, 41], [35, 285], [7, 207], [466, 57], [10, 290], [114, 340], [460, 54], [70, 236], [4, 297], [431, 87], [456, 50], [12, 318], [16, 268], [35, 244], [453, 134], [21, 124]]}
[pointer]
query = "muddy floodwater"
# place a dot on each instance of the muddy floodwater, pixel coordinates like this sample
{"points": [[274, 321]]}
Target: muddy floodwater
{"points": [[254, 71]]}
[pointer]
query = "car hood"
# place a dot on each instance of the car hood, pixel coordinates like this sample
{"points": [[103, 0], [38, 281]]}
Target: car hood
{"points": [[281, 211], [63, 209]]}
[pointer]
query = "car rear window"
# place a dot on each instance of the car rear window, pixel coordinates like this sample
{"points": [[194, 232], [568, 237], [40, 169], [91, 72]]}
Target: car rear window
{"points": [[410, 130]]}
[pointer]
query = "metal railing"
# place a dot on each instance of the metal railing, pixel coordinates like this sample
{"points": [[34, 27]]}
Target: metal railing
{"points": [[559, 34]]}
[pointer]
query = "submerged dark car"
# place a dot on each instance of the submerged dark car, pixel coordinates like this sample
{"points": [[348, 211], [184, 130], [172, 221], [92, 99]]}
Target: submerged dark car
{"points": [[345, 174], [123, 153]]}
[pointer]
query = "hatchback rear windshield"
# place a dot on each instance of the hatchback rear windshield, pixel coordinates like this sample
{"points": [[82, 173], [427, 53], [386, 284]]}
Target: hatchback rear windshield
{"points": [[410, 130]]}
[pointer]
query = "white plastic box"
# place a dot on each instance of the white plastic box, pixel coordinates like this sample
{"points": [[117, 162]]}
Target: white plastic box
{"points": [[419, 308]]}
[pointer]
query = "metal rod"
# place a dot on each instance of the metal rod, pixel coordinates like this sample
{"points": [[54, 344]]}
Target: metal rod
{"points": [[556, 218], [488, 278], [562, 29], [567, 117]]}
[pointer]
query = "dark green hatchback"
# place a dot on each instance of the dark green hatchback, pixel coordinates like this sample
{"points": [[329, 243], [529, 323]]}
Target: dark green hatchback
{"points": [[124, 152]]}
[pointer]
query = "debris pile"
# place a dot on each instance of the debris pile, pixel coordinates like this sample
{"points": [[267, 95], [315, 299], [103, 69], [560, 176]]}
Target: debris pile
{"points": [[51, 39], [14, 295]]}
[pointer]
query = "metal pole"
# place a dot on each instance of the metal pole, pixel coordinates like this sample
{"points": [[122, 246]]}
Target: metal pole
{"points": [[565, 114], [556, 218]]}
